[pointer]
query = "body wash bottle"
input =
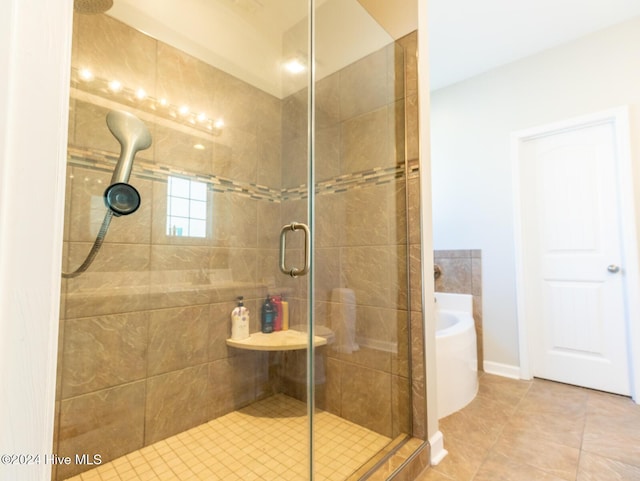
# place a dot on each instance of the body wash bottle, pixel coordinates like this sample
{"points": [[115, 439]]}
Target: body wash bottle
{"points": [[240, 321], [268, 316], [277, 305]]}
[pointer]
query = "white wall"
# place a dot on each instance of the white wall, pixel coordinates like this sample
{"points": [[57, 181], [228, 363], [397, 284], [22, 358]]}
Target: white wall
{"points": [[471, 164], [35, 51]]}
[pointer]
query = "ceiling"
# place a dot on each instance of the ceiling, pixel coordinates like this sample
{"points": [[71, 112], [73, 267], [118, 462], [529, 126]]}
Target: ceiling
{"points": [[468, 37], [254, 39], [251, 39]]}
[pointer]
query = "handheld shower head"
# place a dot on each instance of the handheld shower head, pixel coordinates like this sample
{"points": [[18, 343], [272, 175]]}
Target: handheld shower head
{"points": [[120, 197], [133, 136], [92, 6]]}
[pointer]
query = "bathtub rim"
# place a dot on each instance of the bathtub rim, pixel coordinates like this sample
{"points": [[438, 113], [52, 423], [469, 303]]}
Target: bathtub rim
{"points": [[463, 322]]}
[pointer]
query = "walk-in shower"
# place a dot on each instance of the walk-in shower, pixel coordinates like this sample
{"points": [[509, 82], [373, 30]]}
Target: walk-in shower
{"points": [[265, 116]]}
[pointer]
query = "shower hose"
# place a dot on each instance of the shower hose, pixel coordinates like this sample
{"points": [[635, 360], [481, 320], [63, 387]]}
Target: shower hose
{"points": [[94, 249]]}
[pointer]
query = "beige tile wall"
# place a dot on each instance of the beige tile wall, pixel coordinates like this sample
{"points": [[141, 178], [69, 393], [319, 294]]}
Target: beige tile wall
{"points": [[462, 274], [142, 348]]}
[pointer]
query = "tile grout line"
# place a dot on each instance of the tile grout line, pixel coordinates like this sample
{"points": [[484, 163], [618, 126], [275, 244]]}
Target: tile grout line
{"points": [[584, 427], [495, 441]]}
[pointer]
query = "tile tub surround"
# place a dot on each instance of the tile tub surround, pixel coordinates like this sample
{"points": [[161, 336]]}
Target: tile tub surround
{"points": [[142, 332], [462, 274], [540, 430]]}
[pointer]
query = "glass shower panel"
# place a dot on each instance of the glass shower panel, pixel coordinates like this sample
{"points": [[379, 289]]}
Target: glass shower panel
{"points": [[149, 378], [361, 291]]}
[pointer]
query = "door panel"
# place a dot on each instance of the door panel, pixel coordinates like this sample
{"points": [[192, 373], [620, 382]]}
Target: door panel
{"points": [[574, 318], [573, 228]]}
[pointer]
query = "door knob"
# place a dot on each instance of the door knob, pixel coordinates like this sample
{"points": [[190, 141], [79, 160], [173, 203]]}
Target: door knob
{"points": [[614, 269]]}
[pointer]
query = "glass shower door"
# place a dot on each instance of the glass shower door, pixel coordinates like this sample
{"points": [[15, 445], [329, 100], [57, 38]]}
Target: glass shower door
{"points": [[152, 378], [360, 289], [264, 180]]}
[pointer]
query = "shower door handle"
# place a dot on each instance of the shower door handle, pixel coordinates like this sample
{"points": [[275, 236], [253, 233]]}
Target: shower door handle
{"points": [[294, 271]]}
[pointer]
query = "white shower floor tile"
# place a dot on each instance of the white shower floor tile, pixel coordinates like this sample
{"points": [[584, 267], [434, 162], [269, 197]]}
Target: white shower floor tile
{"points": [[267, 440]]}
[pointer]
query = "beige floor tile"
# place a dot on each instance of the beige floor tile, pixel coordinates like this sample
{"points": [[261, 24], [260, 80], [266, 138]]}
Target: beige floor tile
{"points": [[508, 391], [556, 432], [612, 428], [431, 474], [614, 436], [525, 447], [596, 468], [566, 429], [553, 397], [465, 429], [462, 462], [613, 404], [500, 468], [490, 410]]}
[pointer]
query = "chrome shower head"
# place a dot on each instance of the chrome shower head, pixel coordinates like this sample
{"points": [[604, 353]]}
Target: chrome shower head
{"points": [[133, 136], [92, 7]]}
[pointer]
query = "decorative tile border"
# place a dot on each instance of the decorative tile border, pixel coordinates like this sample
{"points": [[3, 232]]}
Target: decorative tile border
{"points": [[342, 183], [104, 161], [414, 169]]}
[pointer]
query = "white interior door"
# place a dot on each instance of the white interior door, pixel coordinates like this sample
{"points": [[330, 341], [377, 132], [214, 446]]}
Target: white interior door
{"points": [[573, 266]]}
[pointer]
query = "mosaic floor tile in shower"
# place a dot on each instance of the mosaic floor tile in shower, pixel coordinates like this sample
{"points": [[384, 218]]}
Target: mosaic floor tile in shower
{"points": [[264, 441]]}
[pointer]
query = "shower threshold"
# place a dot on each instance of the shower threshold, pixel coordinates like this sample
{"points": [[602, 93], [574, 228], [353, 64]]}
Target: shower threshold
{"points": [[267, 440]]}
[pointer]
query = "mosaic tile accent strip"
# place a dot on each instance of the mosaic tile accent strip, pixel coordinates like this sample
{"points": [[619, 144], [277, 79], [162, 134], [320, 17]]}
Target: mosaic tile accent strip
{"points": [[105, 161], [346, 182], [265, 441], [414, 169]]}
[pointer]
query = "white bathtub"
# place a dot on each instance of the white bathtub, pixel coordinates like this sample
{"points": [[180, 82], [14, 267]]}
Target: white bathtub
{"points": [[456, 352]]}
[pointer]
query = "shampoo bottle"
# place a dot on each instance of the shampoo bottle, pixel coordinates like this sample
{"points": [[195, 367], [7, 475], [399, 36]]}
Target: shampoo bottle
{"points": [[277, 305], [240, 321], [285, 314], [268, 316]]}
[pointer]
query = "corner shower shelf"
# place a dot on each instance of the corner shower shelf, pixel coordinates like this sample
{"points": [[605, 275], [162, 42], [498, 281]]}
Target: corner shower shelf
{"points": [[288, 340]]}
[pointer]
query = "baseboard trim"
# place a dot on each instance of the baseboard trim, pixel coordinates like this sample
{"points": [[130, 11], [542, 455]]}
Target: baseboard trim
{"points": [[499, 369], [438, 452]]}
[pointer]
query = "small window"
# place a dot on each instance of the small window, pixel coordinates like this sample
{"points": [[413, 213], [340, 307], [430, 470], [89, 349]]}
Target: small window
{"points": [[186, 207]]}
